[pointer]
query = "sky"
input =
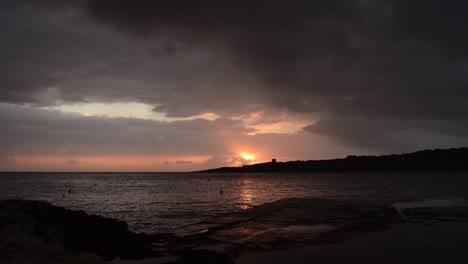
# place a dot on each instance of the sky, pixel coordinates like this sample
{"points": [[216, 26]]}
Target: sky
{"points": [[183, 85]]}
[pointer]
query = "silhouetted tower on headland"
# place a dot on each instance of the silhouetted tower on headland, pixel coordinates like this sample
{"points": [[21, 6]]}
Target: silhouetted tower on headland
{"points": [[273, 161]]}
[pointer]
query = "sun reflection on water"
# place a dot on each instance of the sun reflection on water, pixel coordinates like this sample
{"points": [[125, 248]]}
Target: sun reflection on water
{"points": [[247, 195]]}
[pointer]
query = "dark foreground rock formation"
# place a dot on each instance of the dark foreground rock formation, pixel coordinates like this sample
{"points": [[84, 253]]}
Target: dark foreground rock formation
{"points": [[41, 225]]}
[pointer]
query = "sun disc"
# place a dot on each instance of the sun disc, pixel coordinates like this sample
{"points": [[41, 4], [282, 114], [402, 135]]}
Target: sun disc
{"points": [[247, 156]]}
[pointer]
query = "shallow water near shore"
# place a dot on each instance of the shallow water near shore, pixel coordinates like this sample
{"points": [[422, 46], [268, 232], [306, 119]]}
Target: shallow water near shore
{"points": [[161, 202]]}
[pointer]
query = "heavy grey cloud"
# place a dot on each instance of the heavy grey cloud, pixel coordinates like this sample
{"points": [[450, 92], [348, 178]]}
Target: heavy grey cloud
{"points": [[57, 54], [374, 67], [393, 135], [315, 47], [371, 61]]}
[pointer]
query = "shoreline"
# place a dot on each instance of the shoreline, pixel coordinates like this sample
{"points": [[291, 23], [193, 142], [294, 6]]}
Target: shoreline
{"points": [[282, 226]]}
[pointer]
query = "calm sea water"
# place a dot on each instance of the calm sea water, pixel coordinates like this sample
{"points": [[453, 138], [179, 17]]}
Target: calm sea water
{"points": [[160, 202]]}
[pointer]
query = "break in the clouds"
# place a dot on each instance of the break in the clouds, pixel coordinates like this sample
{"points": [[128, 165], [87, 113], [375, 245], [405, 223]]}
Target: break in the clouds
{"points": [[356, 75], [35, 138]]}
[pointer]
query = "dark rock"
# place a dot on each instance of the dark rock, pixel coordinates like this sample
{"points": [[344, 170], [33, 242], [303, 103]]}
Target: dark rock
{"points": [[76, 230]]}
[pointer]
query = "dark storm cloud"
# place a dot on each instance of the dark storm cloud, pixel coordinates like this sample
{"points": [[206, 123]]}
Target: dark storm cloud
{"points": [[291, 42], [392, 135], [390, 69], [54, 54], [349, 60], [280, 40], [41, 44]]}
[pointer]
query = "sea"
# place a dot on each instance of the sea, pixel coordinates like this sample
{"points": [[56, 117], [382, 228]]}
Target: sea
{"points": [[162, 202]]}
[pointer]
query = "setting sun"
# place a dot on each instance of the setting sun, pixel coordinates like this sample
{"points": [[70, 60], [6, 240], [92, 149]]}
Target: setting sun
{"points": [[247, 156]]}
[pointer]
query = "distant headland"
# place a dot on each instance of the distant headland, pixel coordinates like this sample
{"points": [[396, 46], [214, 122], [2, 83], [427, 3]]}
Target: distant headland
{"points": [[454, 159]]}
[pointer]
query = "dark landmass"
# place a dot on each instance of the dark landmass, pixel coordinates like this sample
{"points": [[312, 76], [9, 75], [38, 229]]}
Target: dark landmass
{"points": [[455, 159]]}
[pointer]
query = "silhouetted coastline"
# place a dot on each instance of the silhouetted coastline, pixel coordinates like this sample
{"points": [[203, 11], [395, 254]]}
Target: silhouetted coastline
{"points": [[454, 159]]}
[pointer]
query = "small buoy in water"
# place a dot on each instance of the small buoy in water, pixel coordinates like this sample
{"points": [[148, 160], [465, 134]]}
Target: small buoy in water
{"points": [[69, 191], [221, 191]]}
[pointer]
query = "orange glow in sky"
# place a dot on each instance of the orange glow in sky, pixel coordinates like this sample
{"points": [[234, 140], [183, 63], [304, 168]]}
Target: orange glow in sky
{"points": [[109, 163], [247, 156]]}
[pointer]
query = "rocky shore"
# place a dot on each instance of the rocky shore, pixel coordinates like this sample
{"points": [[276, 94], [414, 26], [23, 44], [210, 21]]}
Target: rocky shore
{"points": [[38, 232], [31, 229]]}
